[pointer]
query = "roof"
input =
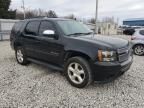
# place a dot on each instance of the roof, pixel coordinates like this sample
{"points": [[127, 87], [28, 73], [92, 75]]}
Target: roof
{"points": [[134, 19], [45, 18], [139, 29]]}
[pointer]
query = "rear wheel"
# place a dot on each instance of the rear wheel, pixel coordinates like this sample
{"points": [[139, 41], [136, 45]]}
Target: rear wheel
{"points": [[139, 50], [21, 56], [78, 72]]}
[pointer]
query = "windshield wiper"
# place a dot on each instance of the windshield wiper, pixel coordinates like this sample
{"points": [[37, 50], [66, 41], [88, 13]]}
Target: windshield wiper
{"points": [[74, 34], [88, 33], [80, 34]]}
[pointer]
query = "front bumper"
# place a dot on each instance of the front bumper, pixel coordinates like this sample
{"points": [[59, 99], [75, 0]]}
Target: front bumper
{"points": [[108, 71]]}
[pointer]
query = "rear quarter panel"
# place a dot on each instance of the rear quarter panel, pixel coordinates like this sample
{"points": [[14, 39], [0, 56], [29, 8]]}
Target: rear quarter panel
{"points": [[136, 42]]}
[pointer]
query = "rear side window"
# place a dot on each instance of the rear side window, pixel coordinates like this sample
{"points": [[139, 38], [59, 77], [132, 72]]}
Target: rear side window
{"points": [[16, 28], [45, 25], [142, 32], [32, 28]]}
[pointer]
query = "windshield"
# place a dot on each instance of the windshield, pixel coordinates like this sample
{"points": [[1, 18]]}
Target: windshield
{"points": [[70, 27]]}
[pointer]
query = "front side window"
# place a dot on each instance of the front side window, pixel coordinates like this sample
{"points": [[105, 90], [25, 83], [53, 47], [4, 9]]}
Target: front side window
{"points": [[32, 28], [45, 25], [142, 32], [70, 27]]}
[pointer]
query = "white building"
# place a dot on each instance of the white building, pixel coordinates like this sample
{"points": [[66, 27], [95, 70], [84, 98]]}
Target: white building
{"points": [[105, 28], [7, 24], [5, 28]]}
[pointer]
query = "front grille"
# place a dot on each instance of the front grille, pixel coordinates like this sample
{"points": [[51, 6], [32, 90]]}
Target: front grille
{"points": [[123, 54]]}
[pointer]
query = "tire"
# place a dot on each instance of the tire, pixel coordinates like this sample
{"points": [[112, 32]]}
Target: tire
{"points": [[75, 68], [139, 50], [21, 56]]}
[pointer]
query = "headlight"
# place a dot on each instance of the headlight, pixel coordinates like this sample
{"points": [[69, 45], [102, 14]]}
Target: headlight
{"points": [[107, 56]]}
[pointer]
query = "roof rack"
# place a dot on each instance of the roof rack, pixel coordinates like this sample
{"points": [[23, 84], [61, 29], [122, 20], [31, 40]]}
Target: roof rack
{"points": [[37, 17]]}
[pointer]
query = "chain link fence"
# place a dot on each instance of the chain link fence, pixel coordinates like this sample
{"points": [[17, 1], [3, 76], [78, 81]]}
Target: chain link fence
{"points": [[5, 28]]}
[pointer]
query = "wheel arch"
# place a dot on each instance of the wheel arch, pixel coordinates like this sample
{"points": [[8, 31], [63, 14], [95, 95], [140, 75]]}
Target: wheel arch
{"points": [[137, 44], [70, 54], [17, 44]]}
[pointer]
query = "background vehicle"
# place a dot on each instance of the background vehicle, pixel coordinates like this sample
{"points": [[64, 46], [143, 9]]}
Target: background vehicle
{"points": [[129, 30], [138, 42], [69, 46]]}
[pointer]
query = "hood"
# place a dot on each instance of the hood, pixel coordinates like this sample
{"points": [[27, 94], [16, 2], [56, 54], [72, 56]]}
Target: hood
{"points": [[107, 41]]}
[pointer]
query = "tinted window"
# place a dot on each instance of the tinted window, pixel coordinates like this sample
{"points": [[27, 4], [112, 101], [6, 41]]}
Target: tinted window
{"points": [[16, 28], [142, 32], [32, 28], [45, 25]]}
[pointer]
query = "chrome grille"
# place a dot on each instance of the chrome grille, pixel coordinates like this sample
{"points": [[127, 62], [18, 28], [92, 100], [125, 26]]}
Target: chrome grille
{"points": [[123, 54]]}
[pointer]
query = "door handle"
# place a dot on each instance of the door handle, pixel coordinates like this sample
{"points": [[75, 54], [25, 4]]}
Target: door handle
{"points": [[40, 38]]}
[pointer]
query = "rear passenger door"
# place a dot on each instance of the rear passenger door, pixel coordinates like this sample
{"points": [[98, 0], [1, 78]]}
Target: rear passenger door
{"points": [[141, 34], [30, 38]]}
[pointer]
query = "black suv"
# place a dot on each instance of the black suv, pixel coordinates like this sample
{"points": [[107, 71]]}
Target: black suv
{"points": [[69, 46]]}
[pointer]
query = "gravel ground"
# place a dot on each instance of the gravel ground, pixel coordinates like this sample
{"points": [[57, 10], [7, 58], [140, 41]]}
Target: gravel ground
{"points": [[35, 86]]}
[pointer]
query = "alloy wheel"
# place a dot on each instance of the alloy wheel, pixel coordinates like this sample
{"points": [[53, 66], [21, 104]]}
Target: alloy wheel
{"points": [[139, 50], [20, 56], [76, 73]]}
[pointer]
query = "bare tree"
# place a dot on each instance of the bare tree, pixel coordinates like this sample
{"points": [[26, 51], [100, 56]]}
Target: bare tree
{"points": [[41, 12], [51, 14], [108, 19], [71, 16], [35, 13], [19, 15], [92, 21], [30, 14]]}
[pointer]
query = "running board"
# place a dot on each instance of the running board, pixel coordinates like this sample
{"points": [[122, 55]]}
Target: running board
{"points": [[51, 66]]}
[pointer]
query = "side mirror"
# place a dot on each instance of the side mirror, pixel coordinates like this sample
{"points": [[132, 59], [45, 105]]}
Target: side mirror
{"points": [[49, 33]]}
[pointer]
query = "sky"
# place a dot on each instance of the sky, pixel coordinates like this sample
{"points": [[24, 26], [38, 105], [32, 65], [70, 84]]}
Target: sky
{"points": [[119, 9]]}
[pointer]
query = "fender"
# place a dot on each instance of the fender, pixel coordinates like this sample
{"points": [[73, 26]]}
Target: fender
{"points": [[137, 42], [83, 50]]}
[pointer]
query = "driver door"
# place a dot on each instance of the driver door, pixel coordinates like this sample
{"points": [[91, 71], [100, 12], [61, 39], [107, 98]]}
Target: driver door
{"points": [[50, 48]]}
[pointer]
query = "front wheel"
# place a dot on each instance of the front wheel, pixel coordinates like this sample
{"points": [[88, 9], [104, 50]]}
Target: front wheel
{"points": [[78, 72]]}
